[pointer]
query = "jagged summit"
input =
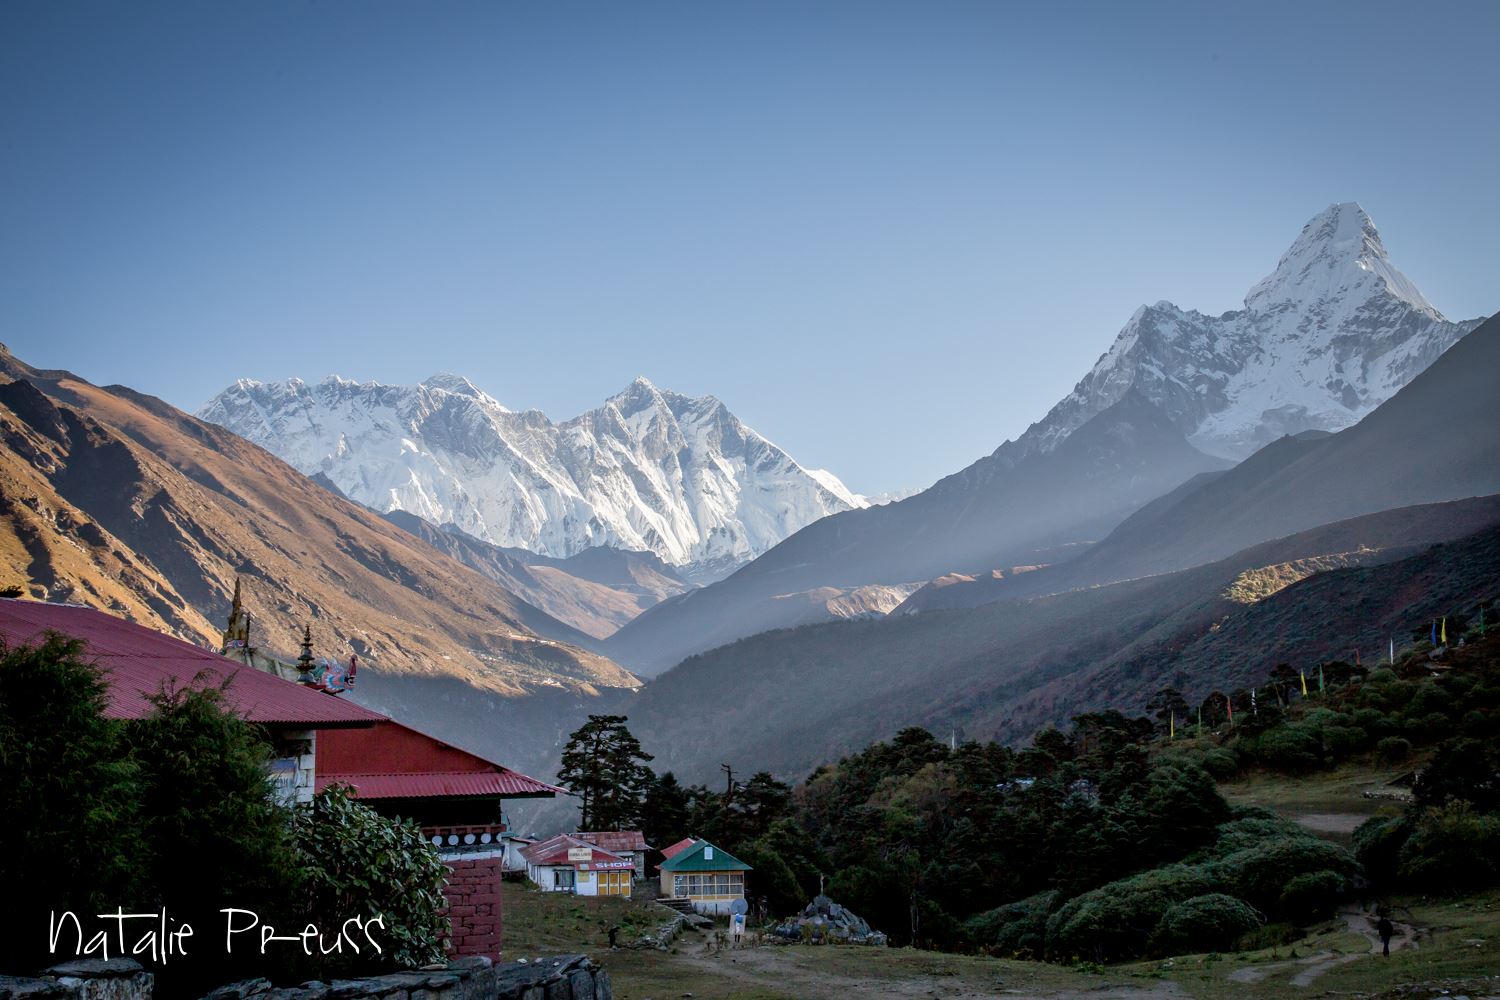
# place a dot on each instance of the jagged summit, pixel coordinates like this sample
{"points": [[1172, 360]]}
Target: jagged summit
{"points": [[650, 469], [1330, 334], [1339, 254], [449, 382]]}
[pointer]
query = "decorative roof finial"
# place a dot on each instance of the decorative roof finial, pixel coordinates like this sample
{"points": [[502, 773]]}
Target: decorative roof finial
{"points": [[237, 634], [305, 661]]}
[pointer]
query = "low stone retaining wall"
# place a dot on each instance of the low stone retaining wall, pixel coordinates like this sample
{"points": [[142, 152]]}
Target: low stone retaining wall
{"points": [[551, 977], [83, 979]]}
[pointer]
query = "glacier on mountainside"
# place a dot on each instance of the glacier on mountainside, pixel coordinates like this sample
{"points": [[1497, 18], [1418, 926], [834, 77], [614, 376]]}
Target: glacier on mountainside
{"points": [[650, 470]]}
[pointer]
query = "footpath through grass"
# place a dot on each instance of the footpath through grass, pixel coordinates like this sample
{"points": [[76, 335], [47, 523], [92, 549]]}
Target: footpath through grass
{"points": [[1456, 946], [537, 923]]}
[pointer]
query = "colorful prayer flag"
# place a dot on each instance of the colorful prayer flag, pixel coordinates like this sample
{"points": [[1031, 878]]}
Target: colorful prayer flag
{"points": [[1320, 679], [1230, 706], [1434, 631], [1303, 674], [1393, 651], [1172, 727], [1445, 631]]}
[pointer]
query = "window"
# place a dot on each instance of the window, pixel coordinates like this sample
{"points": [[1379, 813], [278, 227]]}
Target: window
{"points": [[562, 878]]}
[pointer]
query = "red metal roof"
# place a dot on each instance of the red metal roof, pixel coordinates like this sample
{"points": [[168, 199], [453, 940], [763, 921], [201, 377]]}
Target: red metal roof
{"points": [[138, 661], [392, 761], [433, 784], [677, 848], [554, 851], [616, 840]]}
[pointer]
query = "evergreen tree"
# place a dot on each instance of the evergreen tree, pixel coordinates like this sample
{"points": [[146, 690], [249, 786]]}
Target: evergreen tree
{"points": [[665, 811], [604, 766], [1168, 705], [214, 834], [71, 838]]}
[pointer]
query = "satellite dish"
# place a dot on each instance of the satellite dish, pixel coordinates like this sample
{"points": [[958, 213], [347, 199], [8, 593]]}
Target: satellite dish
{"points": [[739, 906]]}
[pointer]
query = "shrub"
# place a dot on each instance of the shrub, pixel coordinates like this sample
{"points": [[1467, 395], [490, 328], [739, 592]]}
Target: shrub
{"points": [[1016, 929], [1260, 874], [1292, 748], [1213, 922], [1311, 896], [1117, 920], [1222, 763], [1452, 848], [1461, 769], [1393, 749], [1341, 741], [1375, 722], [358, 863], [1247, 832], [1377, 845]]}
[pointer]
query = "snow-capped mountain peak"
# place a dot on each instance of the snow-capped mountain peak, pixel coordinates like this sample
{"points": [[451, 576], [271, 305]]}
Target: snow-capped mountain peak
{"points": [[650, 469], [449, 382], [1338, 255], [1330, 334]]}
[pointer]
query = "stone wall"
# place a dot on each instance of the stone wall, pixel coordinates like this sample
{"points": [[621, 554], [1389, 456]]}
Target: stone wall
{"points": [[473, 911], [554, 977], [83, 979], [557, 977]]}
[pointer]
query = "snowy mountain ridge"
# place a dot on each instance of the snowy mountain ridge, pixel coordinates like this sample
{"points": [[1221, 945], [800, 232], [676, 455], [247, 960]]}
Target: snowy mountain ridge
{"points": [[650, 470], [1331, 333]]}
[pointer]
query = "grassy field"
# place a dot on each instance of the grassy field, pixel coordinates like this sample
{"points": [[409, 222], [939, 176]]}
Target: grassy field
{"points": [[1456, 945], [1339, 792], [1452, 944]]}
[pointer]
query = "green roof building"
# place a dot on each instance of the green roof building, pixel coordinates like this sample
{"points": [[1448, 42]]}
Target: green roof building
{"points": [[711, 878]]}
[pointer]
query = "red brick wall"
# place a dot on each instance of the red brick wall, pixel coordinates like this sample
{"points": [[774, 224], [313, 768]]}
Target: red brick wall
{"points": [[473, 895]]}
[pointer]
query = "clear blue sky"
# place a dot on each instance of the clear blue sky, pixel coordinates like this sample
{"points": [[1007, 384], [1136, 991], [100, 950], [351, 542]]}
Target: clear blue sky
{"points": [[889, 236]]}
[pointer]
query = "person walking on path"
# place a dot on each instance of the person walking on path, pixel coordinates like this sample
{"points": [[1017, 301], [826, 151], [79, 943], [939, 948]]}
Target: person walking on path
{"points": [[1386, 930]]}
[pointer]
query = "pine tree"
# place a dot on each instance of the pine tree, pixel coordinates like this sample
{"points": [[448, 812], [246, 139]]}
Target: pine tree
{"points": [[665, 811], [604, 766]]}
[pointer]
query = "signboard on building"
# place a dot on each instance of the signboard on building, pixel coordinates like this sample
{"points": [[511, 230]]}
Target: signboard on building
{"points": [[577, 854], [606, 866]]}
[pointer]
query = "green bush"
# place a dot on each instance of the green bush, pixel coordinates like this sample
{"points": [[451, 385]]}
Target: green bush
{"points": [[1222, 763], [1311, 896], [1116, 921], [1261, 874], [1292, 748], [1375, 722], [1342, 741], [1016, 929], [358, 863], [1452, 848], [1213, 922], [1377, 845], [1246, 832]]}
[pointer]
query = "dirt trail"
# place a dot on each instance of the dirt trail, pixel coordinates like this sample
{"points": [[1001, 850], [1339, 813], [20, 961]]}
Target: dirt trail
{"points": [[1313, 966], [778, 968]]}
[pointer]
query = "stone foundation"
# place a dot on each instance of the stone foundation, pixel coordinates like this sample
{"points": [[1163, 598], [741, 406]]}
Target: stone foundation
{"points": [[551, 977]]}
